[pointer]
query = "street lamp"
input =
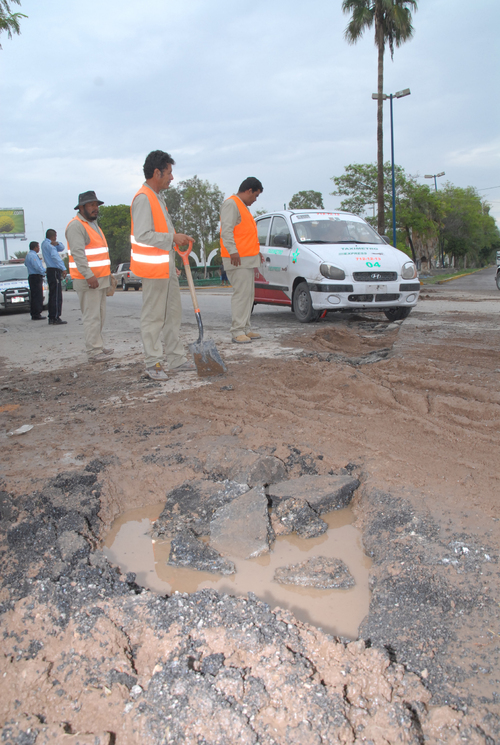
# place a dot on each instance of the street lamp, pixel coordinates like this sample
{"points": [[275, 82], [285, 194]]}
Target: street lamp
{"points": [[435, 176], [384, 96]]}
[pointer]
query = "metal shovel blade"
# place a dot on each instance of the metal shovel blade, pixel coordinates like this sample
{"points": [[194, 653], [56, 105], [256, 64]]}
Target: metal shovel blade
{"points": [[207, 359]]}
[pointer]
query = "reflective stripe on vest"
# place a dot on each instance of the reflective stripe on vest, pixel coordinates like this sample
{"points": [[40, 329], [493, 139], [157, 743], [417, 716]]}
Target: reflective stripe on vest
{"points": [[245, 233], [96, 252], [146, 261]]}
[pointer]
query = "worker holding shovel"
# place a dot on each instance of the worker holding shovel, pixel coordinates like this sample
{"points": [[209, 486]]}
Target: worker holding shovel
{"points": [[153, 258]]}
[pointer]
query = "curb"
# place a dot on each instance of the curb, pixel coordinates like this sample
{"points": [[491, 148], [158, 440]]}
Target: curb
{"points": [[450, 279]]}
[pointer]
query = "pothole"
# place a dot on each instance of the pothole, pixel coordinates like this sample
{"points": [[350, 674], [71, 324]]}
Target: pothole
{"points": [[131, 546]]}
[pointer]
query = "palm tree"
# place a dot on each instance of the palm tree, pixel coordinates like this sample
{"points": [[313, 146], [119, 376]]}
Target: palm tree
{"points": [[392, 21], [9, 21]]}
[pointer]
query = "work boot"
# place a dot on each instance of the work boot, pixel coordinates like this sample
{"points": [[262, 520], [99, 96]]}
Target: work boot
{"points": [[157, 372], [101, 357], [187, 366], [242, 339], [252, 335]]}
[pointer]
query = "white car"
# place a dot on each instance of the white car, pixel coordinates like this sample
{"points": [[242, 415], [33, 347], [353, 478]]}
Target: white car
{"points": [[15, 289], [317, 261]]}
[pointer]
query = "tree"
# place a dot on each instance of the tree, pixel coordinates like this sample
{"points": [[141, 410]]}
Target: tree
{"points": [[359, 185], [194, 206], [307, 200], [468, 232], [20, 254], [9, 21], [417, 209], [114, 221], [392, 22]]}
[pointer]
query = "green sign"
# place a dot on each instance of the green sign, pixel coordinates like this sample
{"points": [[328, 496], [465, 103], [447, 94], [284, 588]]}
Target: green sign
{"points": [[11, 221]]}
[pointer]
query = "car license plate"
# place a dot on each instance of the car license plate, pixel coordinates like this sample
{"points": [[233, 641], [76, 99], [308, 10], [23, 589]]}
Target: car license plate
{"points": [[376, 289], [17, 299]]}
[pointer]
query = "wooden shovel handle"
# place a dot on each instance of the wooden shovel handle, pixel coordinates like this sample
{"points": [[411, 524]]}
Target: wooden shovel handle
{"points": [[185, 260]]}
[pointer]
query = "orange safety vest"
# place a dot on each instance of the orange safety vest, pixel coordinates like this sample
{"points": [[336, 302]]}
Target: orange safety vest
{"points": [[245, 233], [96, 252], [148, 261]]}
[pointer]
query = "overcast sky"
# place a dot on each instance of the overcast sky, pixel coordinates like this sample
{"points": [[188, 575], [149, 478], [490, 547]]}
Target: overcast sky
{"points": [[267, 88]]}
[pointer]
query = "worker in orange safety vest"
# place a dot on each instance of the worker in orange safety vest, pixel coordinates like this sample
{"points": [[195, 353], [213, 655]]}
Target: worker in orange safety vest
{"points": [[153, 258], [89, 267], [240, 253]]}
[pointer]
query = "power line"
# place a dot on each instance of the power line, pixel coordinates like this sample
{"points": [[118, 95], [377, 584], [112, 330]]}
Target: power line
{"points": [[489, 187]]}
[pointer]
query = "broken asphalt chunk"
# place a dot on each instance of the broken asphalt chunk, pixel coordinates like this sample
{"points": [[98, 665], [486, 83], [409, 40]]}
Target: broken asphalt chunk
{"points": [[187, 551], [242, 527], [295, 515], [320, 572], [322, 493], [192, 504]]}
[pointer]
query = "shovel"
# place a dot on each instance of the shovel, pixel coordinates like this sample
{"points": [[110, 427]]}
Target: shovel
{"points": [[206, 357]]}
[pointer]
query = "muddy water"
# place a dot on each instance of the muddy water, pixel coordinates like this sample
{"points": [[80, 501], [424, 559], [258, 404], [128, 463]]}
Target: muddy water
{"points": [[338, 612]]}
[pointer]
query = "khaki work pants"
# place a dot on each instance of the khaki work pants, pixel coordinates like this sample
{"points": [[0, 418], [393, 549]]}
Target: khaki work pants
{"points": [[161, 322], [93, 307], [243, 282]]}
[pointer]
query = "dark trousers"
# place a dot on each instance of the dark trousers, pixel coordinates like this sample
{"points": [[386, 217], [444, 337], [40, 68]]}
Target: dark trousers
{"points": [[55, 292], [36, 293]]}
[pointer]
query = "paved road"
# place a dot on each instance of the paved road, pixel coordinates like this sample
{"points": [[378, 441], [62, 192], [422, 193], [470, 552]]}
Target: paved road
{"points": [[33, 344], [483, 282], [37, 345]]}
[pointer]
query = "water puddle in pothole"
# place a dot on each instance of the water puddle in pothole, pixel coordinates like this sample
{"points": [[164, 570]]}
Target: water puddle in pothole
{"points": [[130, 546]]}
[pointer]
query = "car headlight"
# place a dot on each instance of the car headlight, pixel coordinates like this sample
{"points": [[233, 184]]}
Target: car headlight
{"points": [[409, 270], [331, 272]]}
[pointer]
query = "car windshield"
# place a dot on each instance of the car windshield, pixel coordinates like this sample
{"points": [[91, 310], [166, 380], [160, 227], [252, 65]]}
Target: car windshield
{"points": [[9, 273], [326, 230]]}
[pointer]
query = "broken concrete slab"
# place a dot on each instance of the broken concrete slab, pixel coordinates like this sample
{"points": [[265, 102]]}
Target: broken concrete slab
{"points": [[322, 493], [295, 515], [244, 466], [242, 528], [187, 551], [321, 572], [192, 504]]}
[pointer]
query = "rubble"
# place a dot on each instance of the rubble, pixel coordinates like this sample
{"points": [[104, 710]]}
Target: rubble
{"points": [[295, 515], [242, 528], [322, 493], [187, 551], [320, 572]]}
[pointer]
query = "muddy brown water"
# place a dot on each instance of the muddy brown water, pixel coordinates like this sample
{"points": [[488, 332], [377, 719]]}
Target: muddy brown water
{"points": [[339, 612]]}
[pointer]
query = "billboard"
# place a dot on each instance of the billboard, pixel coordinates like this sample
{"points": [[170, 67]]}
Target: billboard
{"points": [[11, 222]]}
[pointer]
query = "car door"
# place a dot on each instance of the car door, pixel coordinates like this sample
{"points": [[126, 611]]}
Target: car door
{"points": [[276, 261], [261, 294]]}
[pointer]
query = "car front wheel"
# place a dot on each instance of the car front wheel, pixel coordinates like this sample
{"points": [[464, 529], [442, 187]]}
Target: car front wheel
{"points": [[124, 286], [302, 304], [498, 280], [397, 314]]}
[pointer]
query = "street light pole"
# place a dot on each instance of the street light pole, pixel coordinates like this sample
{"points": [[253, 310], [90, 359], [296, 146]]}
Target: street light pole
{"points": [[435, 176], [393, 182], [399, 94]]}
